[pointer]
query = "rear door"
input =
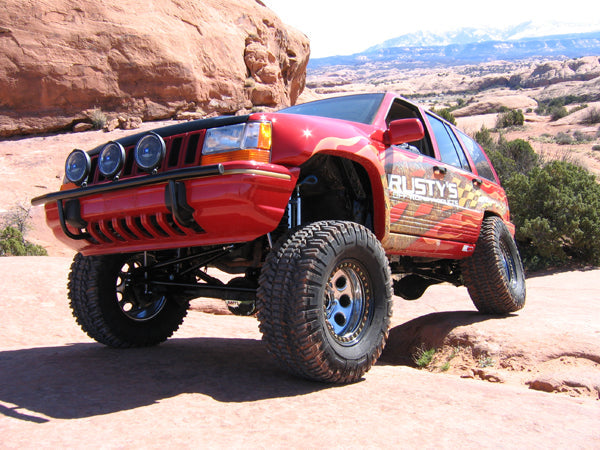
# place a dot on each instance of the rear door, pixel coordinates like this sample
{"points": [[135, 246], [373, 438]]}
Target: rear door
{"points": [[433, 193]]}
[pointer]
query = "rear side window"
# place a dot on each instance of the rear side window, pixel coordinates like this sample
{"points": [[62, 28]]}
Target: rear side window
{"points": [[482, 165], [450, 150]]}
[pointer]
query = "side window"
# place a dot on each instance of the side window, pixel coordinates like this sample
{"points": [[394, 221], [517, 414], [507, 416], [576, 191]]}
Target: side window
{"points": [[482, 164], [448, 145]]}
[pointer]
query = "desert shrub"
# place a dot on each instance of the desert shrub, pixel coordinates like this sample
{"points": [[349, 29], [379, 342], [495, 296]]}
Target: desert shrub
{"points": [[12, 243], [511, 118], [558, 112], [563, 138], [510, 157], [556, 210], [19, 217], [581, 137], [484, 137], [423, 357], [445, 114], [555, 205], [545, 107], [13, 225], [592, 116], [578, 137], [522, 153], [98, 118], [596, 147]]}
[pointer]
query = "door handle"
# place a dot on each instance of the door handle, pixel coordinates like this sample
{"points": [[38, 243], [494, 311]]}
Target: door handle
{"points": [[477, 182], [440, 170]]}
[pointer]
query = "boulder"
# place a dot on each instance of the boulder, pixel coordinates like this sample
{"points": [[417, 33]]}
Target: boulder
{"points": [[487, 103], [553, 72], [150, 60], [82, 126]]}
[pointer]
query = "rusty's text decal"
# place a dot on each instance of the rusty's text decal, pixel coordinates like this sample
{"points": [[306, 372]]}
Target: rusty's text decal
{"points": [[421, 189]]}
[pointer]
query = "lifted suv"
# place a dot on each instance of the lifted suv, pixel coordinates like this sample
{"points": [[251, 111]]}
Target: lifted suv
{"points": [[319, 211]]}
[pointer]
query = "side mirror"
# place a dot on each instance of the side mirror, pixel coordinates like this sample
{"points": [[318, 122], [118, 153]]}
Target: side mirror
{"points": [[402, 131]]}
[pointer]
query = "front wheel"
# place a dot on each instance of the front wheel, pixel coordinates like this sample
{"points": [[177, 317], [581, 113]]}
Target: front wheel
{"points": [[114, 304], [494, 274], [325, 301]]}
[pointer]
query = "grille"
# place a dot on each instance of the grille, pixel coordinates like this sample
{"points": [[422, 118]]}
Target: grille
{"points": [[182, 150]]}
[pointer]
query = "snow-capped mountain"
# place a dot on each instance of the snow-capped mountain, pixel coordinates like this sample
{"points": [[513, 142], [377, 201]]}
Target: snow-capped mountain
{"points": [[473, 45], [462, 36]]}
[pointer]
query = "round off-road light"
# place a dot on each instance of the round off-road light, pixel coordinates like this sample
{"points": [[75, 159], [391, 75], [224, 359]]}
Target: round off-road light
{"points": [[149, 152], [77, 167], [111, 159]]}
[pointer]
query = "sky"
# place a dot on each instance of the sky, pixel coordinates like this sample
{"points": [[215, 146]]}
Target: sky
{"points": [[343, 27]]}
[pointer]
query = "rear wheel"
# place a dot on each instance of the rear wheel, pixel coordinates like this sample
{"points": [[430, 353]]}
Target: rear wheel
{"points": [[494, 274], [325, 301], [114, 305]]}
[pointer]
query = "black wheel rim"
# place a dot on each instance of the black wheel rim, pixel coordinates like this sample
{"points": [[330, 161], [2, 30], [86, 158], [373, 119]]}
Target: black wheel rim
{"points": [[134, 297], [347, 304]]}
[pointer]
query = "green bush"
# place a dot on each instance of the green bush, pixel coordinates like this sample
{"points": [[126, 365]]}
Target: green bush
{"points": [[13, 225], [581, 137], [545, 107], [556, 210], [485, 139], [563, 138], [511, 118], [510, 157], [592, 117], [12, 243], [445, 114], [558, 112], [555, 206]]}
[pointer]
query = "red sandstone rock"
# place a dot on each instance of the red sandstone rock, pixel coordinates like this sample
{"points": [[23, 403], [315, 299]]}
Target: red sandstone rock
{"points": [[151, 60]]}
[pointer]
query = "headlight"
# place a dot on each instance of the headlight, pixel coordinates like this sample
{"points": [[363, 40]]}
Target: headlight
{"points": [[223, 139], [249, 141], [77, 166], [149, 152], [111, 159]]}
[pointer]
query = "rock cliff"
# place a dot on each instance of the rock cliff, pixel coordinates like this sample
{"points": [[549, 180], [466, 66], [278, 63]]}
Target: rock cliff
{"points": [[59, 59]]}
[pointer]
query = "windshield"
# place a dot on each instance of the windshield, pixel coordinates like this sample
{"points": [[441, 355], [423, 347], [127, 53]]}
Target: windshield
{"points": [[355, 108]]}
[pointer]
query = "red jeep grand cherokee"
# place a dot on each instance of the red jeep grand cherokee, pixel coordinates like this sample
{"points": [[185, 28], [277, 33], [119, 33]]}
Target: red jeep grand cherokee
{"points": [[320, 211]]}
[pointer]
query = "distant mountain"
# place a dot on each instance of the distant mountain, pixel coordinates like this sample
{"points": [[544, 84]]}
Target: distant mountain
{"points": [[454, 37], [530, 29], [471, 46]]}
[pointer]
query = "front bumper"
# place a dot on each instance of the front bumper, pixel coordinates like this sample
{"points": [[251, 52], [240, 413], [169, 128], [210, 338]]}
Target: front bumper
{"points": [[207, 205]]}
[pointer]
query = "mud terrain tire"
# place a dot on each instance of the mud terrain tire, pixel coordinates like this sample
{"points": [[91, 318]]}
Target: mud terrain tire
{"points": [[494, 274], [111, 311], [325, 301]]}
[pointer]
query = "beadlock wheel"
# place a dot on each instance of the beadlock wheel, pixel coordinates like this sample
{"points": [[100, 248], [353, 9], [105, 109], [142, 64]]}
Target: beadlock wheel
{"points": [[347, 303], [112, 302], [325, 301], [494, 274], [134, 297]]}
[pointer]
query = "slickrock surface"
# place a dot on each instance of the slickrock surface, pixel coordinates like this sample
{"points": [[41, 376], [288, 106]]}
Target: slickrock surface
{"points": [[214, 385]]}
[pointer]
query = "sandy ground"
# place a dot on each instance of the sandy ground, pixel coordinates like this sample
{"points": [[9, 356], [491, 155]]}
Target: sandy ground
{"points": [[213, 384]]}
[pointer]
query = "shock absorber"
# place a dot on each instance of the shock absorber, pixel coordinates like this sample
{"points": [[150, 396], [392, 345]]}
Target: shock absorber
{"points": [[295, 203]]}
